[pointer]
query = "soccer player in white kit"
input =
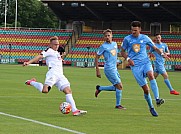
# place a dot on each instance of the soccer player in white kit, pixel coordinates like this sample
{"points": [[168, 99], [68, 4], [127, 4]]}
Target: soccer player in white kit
{"points": [[54, 76]]}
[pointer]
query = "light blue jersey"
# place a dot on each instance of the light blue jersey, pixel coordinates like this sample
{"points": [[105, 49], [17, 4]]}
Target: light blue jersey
{"points": [[109, 51], [160, 60], [136, 48]]}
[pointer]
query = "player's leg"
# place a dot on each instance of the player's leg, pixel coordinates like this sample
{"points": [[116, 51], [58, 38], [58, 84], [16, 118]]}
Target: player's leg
{"points": [[37, 85], [148, 99], [138, 73], [40, 87], [105, 88], [163, 72], [114, 77], [50, 80], [156, 72], [148, 71], [119, 88], [64, 85], [153, 84]]}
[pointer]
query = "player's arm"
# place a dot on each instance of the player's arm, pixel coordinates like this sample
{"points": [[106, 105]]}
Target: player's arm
{"points": [[98, 74], [35, 59], [150, 51], [157, 50], [166, 53], [125, 55]]}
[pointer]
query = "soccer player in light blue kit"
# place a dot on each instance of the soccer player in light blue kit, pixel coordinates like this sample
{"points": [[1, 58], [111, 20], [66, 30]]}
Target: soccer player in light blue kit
{"points": [[109, 50], [137, 57], [159, 67]]}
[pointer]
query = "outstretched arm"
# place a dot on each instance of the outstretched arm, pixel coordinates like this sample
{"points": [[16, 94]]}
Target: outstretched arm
{"points": [[37, 58], [165, 55], [98, 74]]}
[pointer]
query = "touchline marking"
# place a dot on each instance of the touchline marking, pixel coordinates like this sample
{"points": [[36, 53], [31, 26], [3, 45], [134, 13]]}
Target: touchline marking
{"points": [[42, 123]]}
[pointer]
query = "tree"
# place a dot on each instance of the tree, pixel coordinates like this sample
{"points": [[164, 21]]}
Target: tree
{"points": [[31, 13]]}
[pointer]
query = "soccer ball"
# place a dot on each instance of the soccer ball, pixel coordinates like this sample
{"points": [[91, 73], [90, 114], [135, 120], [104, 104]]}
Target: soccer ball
{"points": [[65, 107]]}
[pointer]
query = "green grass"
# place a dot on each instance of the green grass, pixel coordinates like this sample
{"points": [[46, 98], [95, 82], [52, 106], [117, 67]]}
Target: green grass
{"points": [[102, 118]]}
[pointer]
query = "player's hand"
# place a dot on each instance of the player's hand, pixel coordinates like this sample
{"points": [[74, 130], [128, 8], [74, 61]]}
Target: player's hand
{"points": [[98, 74], [166, 56], [25, 63], [130, 62]]}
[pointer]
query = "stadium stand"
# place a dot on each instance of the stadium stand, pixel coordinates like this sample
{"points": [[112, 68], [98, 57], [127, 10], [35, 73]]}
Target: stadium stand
{"points": [[22, 45]]}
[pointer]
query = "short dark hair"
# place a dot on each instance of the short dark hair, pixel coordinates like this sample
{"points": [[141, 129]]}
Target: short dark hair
{"points": [[136, 24], [107, 30], [157, 34]]}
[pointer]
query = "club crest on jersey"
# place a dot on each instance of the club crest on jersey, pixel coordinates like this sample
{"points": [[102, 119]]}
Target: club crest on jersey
{"points": [[113, 52], [136, 47]]}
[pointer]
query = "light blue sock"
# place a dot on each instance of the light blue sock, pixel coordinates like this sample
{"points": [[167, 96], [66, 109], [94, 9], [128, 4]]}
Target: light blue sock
{"points": [[107, 88], [154, 88], [118, 97], [167, 82], [149, 100]]}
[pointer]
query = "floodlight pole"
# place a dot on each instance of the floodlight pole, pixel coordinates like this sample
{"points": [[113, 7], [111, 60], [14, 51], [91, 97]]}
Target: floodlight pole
{"points": [[16, 14], [5, 13]]}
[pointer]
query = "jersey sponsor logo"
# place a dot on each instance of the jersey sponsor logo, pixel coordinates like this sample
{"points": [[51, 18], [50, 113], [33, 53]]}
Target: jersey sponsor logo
{"points": [[136, 47]]}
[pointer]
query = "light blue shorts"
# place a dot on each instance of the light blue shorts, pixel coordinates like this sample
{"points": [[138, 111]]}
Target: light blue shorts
{"points": [[159, 69], [113, 76], [140, 73]]}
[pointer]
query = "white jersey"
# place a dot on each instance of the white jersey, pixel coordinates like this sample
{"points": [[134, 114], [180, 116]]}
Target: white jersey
{"points": [[53, 60]]}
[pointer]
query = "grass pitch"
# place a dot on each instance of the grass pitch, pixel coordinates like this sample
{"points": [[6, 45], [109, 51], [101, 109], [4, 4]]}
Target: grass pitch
{"points": [[24, 110]]}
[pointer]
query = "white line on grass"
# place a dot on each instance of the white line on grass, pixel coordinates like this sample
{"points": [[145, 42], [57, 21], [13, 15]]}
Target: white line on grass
{"points": [[42, 123]]}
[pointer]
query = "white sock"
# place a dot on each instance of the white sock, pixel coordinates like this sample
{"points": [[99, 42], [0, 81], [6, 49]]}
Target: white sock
{"points": [[37, 85], [69, 99]]}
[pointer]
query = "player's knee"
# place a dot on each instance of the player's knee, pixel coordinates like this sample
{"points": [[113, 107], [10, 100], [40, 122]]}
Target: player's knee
{"points": [[165, 76], [119, 86], [67, 90], [46, 89], [151, 77]]}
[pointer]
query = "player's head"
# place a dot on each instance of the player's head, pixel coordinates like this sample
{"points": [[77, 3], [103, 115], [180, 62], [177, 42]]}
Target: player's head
{"points": [[136, 28], [54, 43], [108, 35], [158, 38]]}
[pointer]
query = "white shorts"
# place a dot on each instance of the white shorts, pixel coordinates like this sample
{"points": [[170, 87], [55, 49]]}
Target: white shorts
{"points": [[59, 80]]}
